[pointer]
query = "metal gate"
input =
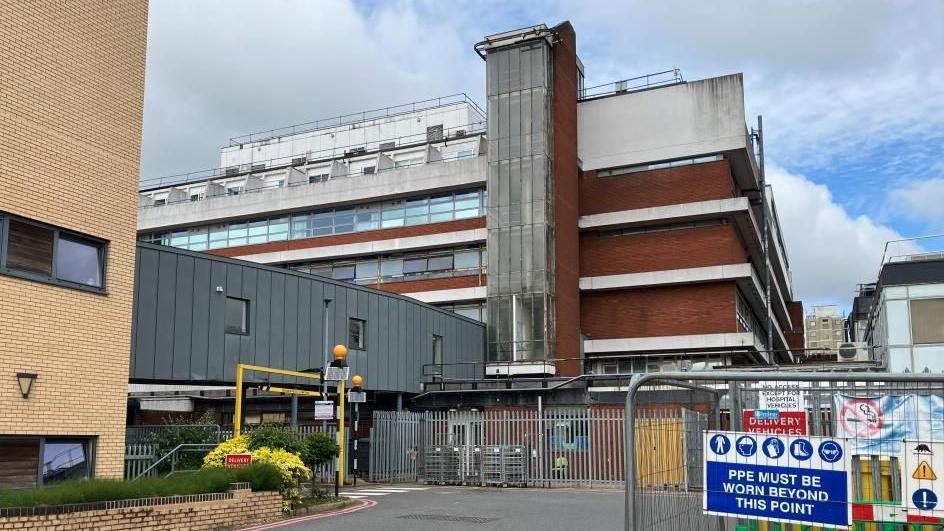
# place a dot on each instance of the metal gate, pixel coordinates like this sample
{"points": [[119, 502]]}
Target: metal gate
{"points": [[653, 499], [548, 447]]}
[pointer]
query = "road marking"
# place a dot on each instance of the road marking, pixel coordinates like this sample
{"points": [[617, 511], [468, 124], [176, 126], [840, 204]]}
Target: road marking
{"points": [[363, 504]]}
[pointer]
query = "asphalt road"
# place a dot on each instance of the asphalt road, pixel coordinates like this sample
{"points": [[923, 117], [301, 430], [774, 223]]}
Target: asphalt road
{"points": [[473, 508]]}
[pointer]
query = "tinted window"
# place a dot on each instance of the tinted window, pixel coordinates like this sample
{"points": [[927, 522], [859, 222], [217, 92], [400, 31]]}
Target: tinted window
{"points": [[237, 316], [79, 261], [357, 329], [64, 459], [29, 248]]}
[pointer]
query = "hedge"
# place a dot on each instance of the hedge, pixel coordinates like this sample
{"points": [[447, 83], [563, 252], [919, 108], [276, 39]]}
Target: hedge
{"points": [[260, 476]]}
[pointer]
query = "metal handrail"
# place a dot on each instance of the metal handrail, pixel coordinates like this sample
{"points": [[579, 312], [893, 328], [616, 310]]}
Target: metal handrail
{"points": [[363, 116], [633, 84], [471, 129], [172, 455]]}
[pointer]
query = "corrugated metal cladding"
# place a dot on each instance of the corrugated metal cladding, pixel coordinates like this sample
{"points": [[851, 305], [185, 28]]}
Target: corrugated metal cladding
{"points": [[179, 333]]}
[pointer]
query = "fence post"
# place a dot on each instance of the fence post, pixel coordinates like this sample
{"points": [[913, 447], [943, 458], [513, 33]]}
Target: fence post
{"points": [[629, 522]]}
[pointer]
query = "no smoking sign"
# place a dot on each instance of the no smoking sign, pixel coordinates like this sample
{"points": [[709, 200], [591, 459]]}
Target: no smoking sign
{"points": [[861, 417]]}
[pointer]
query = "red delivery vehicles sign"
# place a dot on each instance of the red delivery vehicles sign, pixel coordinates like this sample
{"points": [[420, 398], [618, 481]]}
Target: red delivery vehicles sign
{"points": [[774, 421]]}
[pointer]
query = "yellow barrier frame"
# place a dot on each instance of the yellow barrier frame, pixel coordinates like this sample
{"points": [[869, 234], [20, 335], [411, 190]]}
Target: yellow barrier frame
{"points": [[241, 367]]}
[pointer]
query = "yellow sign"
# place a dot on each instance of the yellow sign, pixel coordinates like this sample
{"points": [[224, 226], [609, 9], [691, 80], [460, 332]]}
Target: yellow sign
{"points": [[924, 472]]}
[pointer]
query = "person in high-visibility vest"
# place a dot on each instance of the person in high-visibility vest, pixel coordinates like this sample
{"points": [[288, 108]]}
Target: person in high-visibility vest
{"points": [[560, 466]]}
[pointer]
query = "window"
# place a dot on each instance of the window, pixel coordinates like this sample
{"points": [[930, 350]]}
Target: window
{"points": [[464, 154], [610, 366], [45, 253], [234, 190], [29, 462], [358, 218], [237, 316], [79, 261], [369, 170], [65, 459], [659, 165], [357, 330], [437, 349], [927, 321], [317, 178]]}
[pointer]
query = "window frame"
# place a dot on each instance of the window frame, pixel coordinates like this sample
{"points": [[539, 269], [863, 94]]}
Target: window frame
{"points": [[244, 331], [90, 443], [362, 344], [58, 232]]}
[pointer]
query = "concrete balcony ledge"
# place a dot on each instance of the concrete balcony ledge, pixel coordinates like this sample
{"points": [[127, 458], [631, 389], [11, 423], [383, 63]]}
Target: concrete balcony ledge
{"points": [[666, 277], [680, 212], [693, 342]]}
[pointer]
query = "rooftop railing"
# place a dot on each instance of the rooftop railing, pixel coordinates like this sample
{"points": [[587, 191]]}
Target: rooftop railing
{"points": [[476, 128], [267, 187], [930, 247], [347, 119], [633, 84]]}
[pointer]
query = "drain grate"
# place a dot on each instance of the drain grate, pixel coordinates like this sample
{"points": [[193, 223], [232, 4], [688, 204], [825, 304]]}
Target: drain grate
{"points": [[448, 518]]}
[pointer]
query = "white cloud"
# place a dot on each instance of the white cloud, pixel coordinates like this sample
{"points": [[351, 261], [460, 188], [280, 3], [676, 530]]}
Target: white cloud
{"points": [[829, 250], [921, 201]]}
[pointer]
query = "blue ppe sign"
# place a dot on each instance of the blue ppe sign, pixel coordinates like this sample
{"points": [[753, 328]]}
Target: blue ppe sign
{"points": [[793, 479]]}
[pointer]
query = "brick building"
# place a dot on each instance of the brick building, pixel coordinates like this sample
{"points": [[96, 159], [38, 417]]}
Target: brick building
{"points": [[70, 107], [612, 229]]}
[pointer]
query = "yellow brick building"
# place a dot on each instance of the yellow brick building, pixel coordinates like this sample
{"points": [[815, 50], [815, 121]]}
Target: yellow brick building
{"points": [[71, 98]]}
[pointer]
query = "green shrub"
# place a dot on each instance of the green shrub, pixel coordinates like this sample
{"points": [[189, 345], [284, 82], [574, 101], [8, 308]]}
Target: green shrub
{"points": [[291, 468], [318, 450], [275, 437], [182, 430], [260, 476]]}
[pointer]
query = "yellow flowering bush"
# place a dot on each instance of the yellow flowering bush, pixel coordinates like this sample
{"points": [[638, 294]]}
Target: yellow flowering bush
{"points": [[290, 466]]}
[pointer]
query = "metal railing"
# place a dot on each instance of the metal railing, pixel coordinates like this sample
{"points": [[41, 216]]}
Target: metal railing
{"points": [[319, 157], [347, 119], [653, 500], [545, 447], [658, 79], [172, 457], [929, 247], [151, 433]]}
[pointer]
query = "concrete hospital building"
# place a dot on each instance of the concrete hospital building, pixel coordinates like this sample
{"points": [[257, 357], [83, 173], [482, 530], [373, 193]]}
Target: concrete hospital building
{"points": [[612, 230]]}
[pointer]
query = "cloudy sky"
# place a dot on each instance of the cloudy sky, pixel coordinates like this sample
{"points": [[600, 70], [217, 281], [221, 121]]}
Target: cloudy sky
{"points": [[852, 91]]}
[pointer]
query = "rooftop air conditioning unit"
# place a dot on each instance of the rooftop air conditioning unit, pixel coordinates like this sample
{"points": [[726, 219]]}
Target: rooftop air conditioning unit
{"points": [[354, 151], [384, 146], [853, 352], [458, 133], [232, 170]]}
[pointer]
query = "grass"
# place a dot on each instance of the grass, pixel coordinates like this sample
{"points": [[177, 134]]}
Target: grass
{"points": [[260, 476]]}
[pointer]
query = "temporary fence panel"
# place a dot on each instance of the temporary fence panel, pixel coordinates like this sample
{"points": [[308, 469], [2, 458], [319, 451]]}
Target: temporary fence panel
{"points": [[872, 411]]}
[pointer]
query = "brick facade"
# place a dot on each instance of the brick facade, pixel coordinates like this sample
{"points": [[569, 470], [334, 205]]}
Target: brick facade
{"points": [[71, 99], [669, 186], [243, 508], [660, 311], [566, 204], [657, 251]]}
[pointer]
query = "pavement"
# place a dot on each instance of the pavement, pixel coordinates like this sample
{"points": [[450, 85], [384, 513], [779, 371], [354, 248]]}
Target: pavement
{"points": [[420, 507]]}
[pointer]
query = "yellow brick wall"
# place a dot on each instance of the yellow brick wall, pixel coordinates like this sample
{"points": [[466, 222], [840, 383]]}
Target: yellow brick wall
{"points": [[71, 98]]}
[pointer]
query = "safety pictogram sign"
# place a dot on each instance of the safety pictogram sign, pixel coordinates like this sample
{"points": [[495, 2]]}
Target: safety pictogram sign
{"points": [[861, 417], [925, 472], [923, 488]]}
